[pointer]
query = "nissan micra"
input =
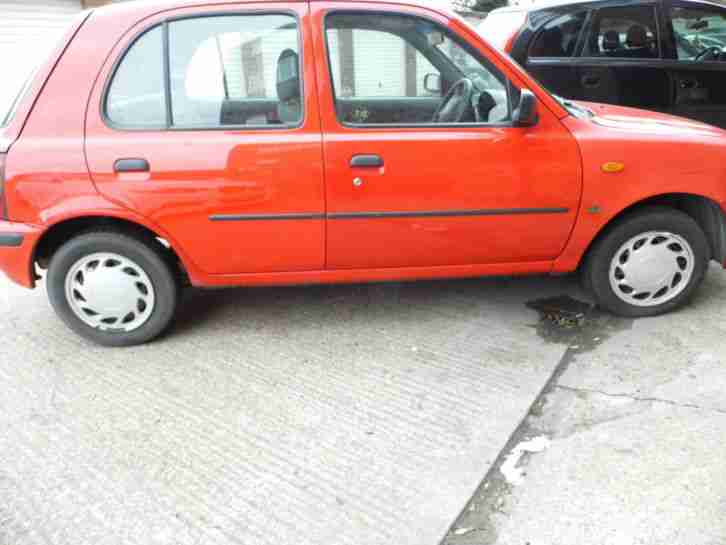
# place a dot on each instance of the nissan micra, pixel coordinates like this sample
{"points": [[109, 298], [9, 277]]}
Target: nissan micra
{"points": [[236, 143]]}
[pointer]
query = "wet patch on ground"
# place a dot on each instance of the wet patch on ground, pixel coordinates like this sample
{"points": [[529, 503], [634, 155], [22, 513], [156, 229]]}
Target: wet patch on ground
{"points": [[579, 325]]}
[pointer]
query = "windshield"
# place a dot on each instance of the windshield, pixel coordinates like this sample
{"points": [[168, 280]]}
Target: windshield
{"points": [[697, 30], [8, 107], [468, 65]]}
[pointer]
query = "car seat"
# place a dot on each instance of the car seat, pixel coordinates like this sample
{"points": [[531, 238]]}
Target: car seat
{"points": [[637, 42], [289, 109]]}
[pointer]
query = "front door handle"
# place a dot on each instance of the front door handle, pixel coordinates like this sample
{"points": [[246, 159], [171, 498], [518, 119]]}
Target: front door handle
{"points": [[367, 161], [131, 165]]}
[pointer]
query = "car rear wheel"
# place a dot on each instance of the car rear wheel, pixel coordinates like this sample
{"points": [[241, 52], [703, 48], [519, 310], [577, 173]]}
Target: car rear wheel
{"points": [[112, 288], [648, 264]]}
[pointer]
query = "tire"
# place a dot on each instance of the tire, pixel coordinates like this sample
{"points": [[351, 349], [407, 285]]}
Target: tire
{"points": [[112, 288], [649, 263]]}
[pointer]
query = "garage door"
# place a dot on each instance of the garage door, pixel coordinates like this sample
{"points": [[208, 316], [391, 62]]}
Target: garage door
{"points": [[28, 31]]}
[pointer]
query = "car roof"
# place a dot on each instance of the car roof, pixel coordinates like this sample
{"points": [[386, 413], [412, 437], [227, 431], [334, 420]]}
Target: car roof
{"points": [[155, 6], [547, 5]]}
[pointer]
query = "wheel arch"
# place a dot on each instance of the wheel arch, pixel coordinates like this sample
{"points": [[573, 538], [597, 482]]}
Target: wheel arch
{"points": [[58, 233], [704, 211]]}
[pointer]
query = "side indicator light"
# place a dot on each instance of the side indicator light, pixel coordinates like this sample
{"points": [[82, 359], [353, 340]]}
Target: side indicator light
{"points": [[612, 167]]}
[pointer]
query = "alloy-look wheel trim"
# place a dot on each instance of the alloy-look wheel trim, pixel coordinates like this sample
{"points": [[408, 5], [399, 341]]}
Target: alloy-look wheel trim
{"points": [[652, 268], [110, 292]]}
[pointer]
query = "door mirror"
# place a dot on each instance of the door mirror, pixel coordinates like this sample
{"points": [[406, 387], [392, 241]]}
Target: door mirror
{"points": [[525, 115], [432, 84]]}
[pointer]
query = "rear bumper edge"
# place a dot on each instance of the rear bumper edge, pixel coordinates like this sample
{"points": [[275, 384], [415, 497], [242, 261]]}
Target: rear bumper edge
{"points": [[17, 244]]}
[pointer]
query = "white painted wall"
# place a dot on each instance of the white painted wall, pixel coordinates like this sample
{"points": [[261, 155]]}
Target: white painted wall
{"points": [[29, 29]]}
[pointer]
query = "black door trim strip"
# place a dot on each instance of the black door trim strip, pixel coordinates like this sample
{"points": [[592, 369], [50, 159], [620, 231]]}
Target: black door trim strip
{"points": [[267, 217], [448, 213], [403, 214]]}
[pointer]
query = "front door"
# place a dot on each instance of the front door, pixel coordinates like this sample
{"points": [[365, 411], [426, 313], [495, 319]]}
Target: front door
{"points": [[210, 128], [408, 185], [696, 49]]}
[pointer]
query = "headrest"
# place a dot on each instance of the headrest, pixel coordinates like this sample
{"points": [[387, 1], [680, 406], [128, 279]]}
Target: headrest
{"points": [[611, 40], [637, 36], [288, 75]]}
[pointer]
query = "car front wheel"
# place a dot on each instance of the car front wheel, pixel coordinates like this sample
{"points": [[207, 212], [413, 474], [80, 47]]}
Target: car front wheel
{"points": [[649, 263], [112, 288]]}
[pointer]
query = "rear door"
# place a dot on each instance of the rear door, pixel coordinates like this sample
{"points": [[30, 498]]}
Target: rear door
{"points": [[209, 127], [409, 192], [550, 52], [695, 46], [621, 59]]}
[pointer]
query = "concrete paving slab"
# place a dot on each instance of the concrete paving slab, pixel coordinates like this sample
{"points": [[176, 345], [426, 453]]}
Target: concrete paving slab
{"points": [[322, 415], [680, 356], [639, 473], [636, 423]]}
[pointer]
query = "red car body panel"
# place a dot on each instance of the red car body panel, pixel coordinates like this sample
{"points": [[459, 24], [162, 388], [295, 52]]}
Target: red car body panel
{"points": [[60, 167], [444, 169]]}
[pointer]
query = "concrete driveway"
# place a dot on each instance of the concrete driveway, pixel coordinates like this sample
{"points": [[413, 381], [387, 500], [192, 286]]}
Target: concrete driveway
{"points": [[339, 415], [320, 415]]}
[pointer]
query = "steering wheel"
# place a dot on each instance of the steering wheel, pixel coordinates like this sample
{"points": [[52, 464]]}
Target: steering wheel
{"points": [[710, 53], [455, 103]]}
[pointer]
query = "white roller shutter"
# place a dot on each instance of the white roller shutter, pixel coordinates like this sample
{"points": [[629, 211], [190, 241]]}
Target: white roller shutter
{"points": [[29, 30]]}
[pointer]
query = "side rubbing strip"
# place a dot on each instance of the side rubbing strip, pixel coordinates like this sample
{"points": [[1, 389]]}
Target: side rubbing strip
{"points": [[265, 217], [413, 214], [447, 213]]}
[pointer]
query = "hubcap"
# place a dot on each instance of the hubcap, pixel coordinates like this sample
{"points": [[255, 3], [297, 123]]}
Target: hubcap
{"points": [[110, 292], [651, 268]]}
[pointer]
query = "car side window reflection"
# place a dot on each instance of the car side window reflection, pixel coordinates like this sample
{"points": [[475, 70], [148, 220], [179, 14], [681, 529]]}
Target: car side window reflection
{"points": [[237, 70], [699, 32], [559, 37], [624, 32], [400, 70]]}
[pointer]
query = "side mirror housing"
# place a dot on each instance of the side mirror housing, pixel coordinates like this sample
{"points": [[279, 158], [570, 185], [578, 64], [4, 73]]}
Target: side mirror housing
{"points": [[432, 84], [525, 115]]}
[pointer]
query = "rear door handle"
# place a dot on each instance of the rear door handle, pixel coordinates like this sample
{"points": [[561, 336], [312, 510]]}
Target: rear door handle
{"points": [[131, 165], [369, 161]]}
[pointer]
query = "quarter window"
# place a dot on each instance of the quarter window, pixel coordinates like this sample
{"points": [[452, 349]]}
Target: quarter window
{"points": [[396, 69], [238, 70], [136, 96], [559, 37], [624, 32]]}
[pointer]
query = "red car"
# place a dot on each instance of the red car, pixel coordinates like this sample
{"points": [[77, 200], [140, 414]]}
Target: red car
{"points": [[252, 143]]}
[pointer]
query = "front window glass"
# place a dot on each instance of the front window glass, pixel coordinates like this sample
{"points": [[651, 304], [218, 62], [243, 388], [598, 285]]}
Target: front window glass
{"points": [[624, 32], [395, 69], [699, 32], [558, 38]]}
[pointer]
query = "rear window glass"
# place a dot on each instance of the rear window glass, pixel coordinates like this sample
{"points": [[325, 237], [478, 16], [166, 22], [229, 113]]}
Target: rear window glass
{"points": [[500, 26], [220, 71], [559, 37], [624, 32]]}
